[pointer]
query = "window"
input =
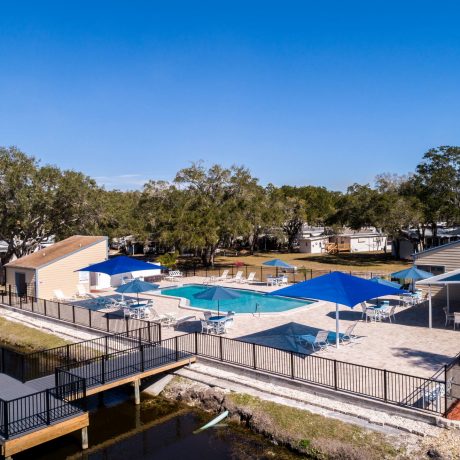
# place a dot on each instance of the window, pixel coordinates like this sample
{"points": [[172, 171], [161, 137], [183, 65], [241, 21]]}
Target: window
{"points": [[434, 269]]}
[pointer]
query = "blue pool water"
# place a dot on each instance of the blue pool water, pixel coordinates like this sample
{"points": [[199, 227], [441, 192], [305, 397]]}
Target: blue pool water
{"points": [[244, 304]]}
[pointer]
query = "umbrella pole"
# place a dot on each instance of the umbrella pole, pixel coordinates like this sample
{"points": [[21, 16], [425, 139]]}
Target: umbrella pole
{"points": [[218, 308], [337, 326]]}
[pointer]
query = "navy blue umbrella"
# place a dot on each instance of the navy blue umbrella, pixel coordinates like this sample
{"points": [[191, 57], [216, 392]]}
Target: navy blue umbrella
{"points": [[340, 288], [217, 293], [121, 264]]}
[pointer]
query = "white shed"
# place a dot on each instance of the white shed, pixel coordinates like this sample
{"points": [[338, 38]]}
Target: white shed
{"points": [[313, 244], [361, 242]]}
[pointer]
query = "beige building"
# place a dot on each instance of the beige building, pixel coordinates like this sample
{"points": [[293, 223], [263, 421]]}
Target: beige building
{"points": [[55, 267], [440, 259]]}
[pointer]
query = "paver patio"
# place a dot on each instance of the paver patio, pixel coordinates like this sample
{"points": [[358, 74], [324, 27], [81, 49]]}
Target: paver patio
{"points": [[406, 346]]}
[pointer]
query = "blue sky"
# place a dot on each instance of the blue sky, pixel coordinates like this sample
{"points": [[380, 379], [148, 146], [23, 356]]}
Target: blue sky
{"points": [[308, 92]]}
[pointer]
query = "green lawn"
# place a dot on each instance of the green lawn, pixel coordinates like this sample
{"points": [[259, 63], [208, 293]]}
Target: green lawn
{"points": [[26, 339]]}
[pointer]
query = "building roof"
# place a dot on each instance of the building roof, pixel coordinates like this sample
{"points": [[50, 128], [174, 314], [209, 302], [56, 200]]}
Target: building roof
{"points": [[56, 251], [436, 248], [452, 277]]}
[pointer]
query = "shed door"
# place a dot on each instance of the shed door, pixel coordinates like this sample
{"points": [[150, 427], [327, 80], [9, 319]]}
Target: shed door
{"points": [[21, 286]]}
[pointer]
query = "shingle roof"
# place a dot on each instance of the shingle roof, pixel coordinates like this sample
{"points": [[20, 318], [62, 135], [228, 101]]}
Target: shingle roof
{"points": [[56, 251]]}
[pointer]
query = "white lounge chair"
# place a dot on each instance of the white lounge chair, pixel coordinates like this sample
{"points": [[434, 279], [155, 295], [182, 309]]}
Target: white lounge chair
{"points": [[223, 277], [251, 278], [319, 341], [82, 292], [174, 275], [238, 278], [60, 297], [347, 336], [182, 320], [388, 313]]}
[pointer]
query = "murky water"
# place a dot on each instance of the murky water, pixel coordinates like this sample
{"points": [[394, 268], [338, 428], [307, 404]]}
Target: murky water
{"points": [[155, 430]]}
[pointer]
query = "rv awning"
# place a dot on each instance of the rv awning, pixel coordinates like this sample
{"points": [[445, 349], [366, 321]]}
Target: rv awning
{"points": [[452, 277]]}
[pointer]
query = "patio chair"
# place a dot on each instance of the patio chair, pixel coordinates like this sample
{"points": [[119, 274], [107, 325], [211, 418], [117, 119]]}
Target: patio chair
{"points": [[229, 319], [449, 316], [388, 313], [238, 278], [60, 297], [456, 320], [373, 314], [207, 314], [129, 313], [364, 308], [347, 336], [206, 328], [319, 341]]}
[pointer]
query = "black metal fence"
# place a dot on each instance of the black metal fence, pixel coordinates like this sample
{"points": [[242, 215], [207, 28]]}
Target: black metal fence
{"points": [[419, 393], [43, 408], [263, 272], [119, 364], [109, 322], [38, 364]]}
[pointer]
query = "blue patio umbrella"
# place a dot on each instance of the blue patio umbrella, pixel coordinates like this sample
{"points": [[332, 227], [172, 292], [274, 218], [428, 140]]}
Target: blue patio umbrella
{"points": [[217, 293], [136, 287], [339, 288], [385, 282], [120, 264], [278, 263], [413, 274]]}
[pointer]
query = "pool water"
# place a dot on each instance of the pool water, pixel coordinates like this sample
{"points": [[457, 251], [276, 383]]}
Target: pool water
{"points": [[246, 303]]}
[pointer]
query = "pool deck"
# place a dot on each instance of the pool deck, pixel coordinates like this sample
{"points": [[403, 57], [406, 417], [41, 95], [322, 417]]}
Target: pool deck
{"points": [[406, 346]]}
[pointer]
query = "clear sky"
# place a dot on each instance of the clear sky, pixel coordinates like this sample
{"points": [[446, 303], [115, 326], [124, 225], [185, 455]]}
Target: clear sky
{"points": [[307, 92]]}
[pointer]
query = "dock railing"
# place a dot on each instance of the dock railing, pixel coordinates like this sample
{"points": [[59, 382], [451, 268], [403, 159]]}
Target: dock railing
{"points": [[43, 408]]}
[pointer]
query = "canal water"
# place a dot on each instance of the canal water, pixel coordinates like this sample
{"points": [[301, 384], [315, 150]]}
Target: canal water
{"points": [[157, 429]]}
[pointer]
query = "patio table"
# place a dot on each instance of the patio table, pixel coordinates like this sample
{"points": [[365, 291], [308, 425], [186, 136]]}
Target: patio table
{"points": [[219, 323]]}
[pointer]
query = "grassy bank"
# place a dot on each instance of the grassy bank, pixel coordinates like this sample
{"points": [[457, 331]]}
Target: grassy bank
{"points": [[26, 339], [377, 262], [314, 435]]}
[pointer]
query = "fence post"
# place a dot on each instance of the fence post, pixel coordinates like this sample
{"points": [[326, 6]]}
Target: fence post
{"points": [[89, 315], [196, 343], [73, 314], [149, 332], [59, 310], [106, 346], [385, 389], [32, 304], [445, 390], [141, 351], [176, 346], [44, 307], [67, 354], [20, 303], [108, 328], [103, 369], [221, 356], [261, 274], [9, 294], [292, 366], [254, 360], [47, 401], [5, 419], [335, 374], [127, 325]]}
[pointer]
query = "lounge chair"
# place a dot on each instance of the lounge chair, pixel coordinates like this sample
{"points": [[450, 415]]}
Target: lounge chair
{"points": [[159, 317], [229, 319], [223, 277], [319, 341], [181, 320], [82, 293], [60, 297], [174, 275], [251, 278], [347, 336], [237, 278]]}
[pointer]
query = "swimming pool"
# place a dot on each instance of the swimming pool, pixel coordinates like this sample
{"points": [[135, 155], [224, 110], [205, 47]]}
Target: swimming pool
{"points": [[244, 304]]}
